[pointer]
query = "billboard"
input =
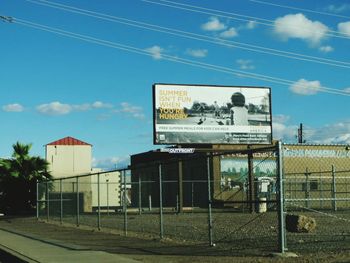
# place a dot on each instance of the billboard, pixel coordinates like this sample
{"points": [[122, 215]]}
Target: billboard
{"points": [[197, 114]]}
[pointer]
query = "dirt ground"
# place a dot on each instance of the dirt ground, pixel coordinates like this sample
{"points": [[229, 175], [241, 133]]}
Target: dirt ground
{"points": [[150, 249]]}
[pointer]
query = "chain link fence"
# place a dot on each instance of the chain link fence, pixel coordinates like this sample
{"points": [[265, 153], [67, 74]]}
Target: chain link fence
{"points": [[317, 188], [232, 200], [185, 201]]}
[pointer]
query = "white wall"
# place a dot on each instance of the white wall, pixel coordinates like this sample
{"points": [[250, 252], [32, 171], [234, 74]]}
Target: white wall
{"points": [[68, 160], [108, 197]]}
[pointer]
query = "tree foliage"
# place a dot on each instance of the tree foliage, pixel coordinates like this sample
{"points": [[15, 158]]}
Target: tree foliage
{"points": [[18, 177]]}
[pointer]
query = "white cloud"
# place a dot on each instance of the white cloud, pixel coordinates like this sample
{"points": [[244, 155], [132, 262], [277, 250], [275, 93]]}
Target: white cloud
{"points": [[131, 110], [245, 64], [344, 28], [280, 118], [282, 130], [300, 27], [54, 108], [101, 105], [251, 25], [326, 49], [81, 107], [15, 107], [337, 133], [347, 90], [305, 87], [213, 24], [338, 9], [111, 163], [230, 33], [58, 108], [155, 51], [198, 53]]}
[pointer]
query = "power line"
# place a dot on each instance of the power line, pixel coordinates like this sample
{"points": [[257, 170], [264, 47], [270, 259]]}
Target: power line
{"points": [[298, 8], [190, 35], [6, 19], [168, 57], [234, 16]]}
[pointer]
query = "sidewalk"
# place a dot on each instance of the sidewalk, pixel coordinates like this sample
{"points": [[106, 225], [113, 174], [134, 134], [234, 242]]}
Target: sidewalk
{"points": [[31, 249]]}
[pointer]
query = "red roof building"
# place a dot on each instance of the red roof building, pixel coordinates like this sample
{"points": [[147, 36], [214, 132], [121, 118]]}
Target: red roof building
{"points": [[68, 141], [69, 157]]}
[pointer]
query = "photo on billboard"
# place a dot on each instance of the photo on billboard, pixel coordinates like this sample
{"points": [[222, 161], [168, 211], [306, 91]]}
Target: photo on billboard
{"points": [[200, 114]]}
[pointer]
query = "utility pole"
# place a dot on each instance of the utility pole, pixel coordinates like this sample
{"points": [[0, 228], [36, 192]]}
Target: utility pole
{"points": [[300, 134], [6, 19]]}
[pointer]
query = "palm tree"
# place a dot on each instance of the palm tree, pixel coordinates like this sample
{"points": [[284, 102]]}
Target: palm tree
{"points": [[18, 176]]}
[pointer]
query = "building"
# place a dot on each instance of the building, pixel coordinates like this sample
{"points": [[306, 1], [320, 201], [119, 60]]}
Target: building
{"points": [[69, 157], [241, 173], [70, 164]]}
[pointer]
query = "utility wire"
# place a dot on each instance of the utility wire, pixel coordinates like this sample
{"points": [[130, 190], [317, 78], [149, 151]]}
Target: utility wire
{"points": [[300, 9], [185, 34], [7, 19], [235, 16], [168, 57]]}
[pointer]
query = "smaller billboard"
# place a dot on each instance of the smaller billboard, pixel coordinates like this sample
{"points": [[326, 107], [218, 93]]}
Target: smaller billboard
{"points": [[197, 114]]}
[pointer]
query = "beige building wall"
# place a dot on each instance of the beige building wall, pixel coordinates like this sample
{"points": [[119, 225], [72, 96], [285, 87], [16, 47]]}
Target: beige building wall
{"points": [[109, 189], [68, 160]]}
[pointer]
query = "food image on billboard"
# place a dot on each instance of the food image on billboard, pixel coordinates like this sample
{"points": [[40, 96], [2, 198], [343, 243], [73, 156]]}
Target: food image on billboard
{"points": [[193, 114]]}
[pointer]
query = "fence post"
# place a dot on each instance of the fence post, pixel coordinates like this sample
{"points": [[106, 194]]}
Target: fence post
{"points": [[98, 203], [150, 202], [107, 185], [334, 189], [180, 187], [307, 188], [161, 228], [37, 199], [210, 220], [177, 208], [78, 201], [192, 196], [47, 201], [125, 207], [61, 203], [281, 215], [321, 191], [251, 189], [140, 195]]}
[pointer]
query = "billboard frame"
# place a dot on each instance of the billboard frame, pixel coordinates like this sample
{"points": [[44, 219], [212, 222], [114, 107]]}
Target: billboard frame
{"points": [[205, 144]]}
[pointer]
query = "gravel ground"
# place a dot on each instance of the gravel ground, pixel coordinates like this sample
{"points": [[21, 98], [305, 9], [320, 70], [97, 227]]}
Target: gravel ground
{"points": [[234, 233], [148, 249]]}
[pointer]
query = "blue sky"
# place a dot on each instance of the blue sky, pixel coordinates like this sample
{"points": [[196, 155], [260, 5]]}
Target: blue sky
{"points": [[55, 86]]}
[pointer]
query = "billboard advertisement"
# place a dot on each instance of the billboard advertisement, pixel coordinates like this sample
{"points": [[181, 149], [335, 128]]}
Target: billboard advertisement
{"points": [[198, 114]]}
